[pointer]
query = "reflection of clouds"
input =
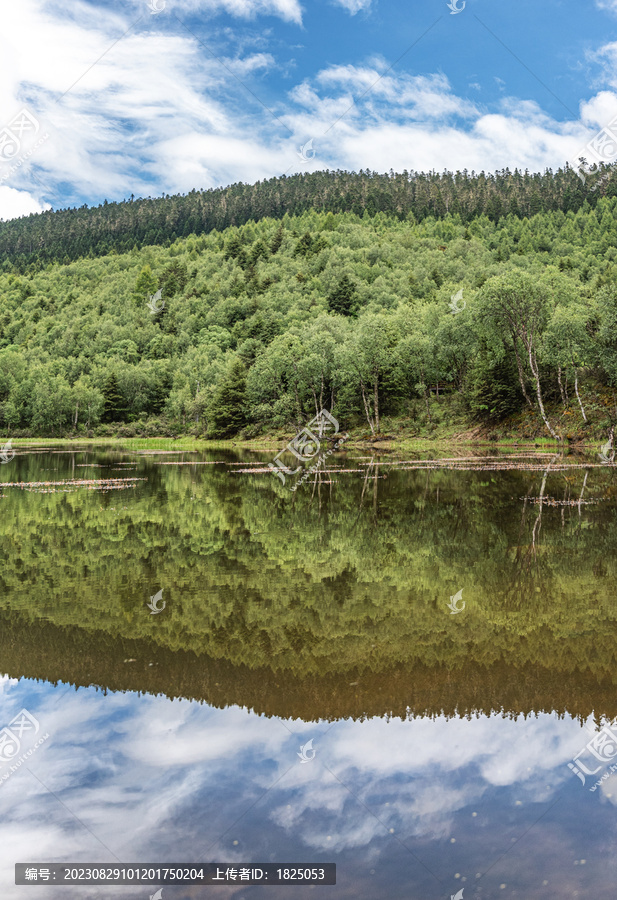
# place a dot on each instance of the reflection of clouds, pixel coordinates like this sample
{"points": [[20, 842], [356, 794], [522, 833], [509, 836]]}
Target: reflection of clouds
{"points": [[6, 682], [154, 778], [416, 775], [185, 736]]}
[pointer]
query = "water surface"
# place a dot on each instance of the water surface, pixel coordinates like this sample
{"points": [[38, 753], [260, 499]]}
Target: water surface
{"points": [[441, 740]]}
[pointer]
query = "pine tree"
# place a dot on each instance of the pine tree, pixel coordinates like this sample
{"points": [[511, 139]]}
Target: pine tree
{"points": [[227, 412], [144, 286], [277, 240], [342, 298], [115, 406]]}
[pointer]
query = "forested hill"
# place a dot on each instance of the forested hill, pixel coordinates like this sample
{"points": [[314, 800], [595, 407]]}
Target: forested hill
{"points": [[67, 235], [259, 326]]}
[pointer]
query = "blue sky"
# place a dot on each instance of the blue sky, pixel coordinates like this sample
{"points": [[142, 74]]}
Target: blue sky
{"points": [[148, 97]]}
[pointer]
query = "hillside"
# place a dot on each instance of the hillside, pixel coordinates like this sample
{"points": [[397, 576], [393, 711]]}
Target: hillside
{"points": [[66, 235], [258, 326]]}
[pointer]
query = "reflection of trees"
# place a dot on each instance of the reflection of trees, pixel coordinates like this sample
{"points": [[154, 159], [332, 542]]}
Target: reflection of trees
{"points": [[75, 656], [338, 576]]}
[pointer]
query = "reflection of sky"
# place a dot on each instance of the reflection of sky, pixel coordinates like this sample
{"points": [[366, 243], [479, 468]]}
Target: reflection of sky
{"points": [[413, 809]]}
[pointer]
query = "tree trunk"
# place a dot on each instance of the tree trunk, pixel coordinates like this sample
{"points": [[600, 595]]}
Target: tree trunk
{"points": [[298, 409], [561, 390], [76, 414], [376, 393], [428, 407], [366, 407], [578, 396], [521, 374], [533, 365]]}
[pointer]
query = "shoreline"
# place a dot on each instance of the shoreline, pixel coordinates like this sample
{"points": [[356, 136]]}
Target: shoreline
{"points": [[387, 443]]}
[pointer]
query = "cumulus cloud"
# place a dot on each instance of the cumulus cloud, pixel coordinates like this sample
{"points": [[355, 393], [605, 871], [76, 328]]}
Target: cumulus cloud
{"points": [[145, 109], [15, 204]]}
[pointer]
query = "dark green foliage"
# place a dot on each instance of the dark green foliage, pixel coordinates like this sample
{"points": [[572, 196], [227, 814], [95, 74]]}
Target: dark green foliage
{"points": [[303, 247], [114, 409], [342, 298], [233, 246], [227, 413], [66, 235], [258, 251], [174, 279], [277, 240], [493, 390], [437, 277], [145, 286]]}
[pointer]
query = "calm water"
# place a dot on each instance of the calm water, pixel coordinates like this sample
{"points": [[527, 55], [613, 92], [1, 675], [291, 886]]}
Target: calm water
{"points": [[440, 739]]}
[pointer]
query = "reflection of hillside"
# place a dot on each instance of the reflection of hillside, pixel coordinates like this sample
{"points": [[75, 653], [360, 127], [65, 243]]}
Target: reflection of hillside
{"points": [[81, 658], [355, 578]]}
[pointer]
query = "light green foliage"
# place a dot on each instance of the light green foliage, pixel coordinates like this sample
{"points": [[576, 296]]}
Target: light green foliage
{"points": [[348, 311]]}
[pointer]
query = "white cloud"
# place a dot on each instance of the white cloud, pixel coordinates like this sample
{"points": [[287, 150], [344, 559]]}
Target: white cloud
{"points": [[410, 123], [424, 96], [14, 203], [6, 683], [250, 64], [288, 10], [353, 6], [610, 5]]}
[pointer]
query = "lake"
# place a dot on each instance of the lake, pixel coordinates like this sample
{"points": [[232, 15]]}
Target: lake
{"points": [[406, 667]]}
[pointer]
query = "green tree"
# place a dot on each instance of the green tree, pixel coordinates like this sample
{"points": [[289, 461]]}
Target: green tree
{"points": [[114, 409], [517, 304], [342, 299], [145, 286], [227, 409], [366, 360]]}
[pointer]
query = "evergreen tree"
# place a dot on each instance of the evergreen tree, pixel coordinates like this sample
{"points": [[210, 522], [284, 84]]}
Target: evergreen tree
{"points": [[114, 409], [277, 240], [304, 245], [342, 298], [145, 286], [227, 414]]}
